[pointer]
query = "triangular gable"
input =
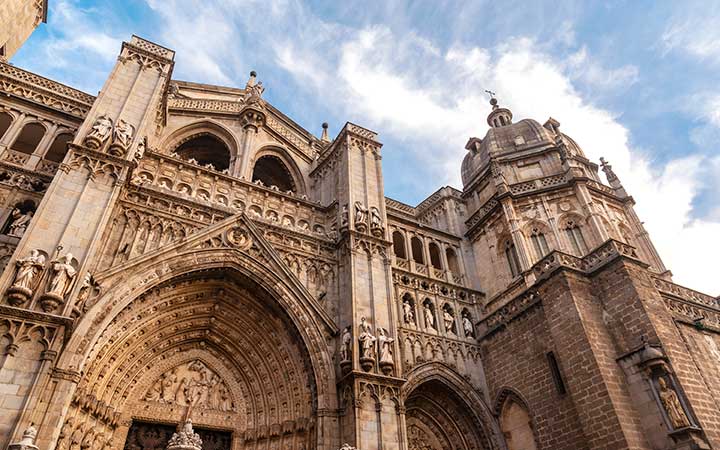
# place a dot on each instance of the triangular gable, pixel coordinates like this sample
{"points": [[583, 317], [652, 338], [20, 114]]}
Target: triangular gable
{"points": [[238, 233]]}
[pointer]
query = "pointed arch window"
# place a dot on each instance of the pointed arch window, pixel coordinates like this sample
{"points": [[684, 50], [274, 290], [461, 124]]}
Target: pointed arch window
{"points": [[539, 242], [512, 258], [575, 236]]}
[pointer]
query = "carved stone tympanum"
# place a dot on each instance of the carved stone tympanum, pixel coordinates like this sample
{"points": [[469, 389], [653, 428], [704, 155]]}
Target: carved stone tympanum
{"points": [[191, 384]]}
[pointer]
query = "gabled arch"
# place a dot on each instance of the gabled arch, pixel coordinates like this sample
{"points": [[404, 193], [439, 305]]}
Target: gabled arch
{"points": [[287, 161], [516, 421]]}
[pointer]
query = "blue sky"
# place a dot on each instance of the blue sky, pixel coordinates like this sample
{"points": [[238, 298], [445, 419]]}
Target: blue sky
{"points": [[634, 81]]}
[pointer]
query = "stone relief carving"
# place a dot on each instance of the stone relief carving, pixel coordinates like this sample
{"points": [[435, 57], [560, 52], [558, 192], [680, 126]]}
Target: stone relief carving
{"points": [[376, 222], [346, 347], [26, 277], [185, 439], [123, 134], [671, 404], [191, 384], [28, 440], [367, 345], [99, 132], [140, 149], [344, 217], [19, 223]]}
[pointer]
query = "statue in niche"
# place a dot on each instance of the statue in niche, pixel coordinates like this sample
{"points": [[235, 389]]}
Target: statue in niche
{"points": [[123, 133], [429, 316], [19, 222], [361, 214], [385, 345], [467, 326], [140, 149], [28, 268], [375, 219], [344, 216], [367, 340], [449, 320], [408, 314], [672, 405], [63, 274], [101, 129], [346, 348]]}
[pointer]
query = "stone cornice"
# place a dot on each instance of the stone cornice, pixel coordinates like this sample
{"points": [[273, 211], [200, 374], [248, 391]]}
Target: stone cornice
{"points": [[44, 92], [686, 294], [34, 316]]}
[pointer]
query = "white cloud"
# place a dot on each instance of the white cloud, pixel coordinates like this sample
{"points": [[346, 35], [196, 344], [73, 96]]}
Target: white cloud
{"points": [[581, 66], [696, 34]]}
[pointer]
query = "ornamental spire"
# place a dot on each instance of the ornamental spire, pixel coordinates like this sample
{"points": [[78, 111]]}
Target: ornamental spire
{"points": [[324, 137]]}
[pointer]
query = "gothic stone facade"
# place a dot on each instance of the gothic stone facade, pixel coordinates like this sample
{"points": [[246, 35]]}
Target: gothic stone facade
{"points": [[176, 250]]}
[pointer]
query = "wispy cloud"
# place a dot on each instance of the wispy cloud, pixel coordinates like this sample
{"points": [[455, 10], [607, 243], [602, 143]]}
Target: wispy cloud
{"points": [[696, 34]]}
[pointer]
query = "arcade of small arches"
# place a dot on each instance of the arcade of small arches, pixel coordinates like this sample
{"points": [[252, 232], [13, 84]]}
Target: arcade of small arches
{"points": [[33, 142], [424, 251], [211, 146]]}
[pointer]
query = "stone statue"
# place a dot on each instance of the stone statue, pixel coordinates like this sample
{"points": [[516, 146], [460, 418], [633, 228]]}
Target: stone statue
{"points": [[185, 438], [19, 222], [408, 313], [672, 405], [28, 269], [63, 274], [367, 340], [347, 446], [375, 219], [360, 213], [467, 326], [429, 316], [140, 149], [28, 440], [101, 129], [385, 344], [344, 216], [448, 319], [346, 348], [253, 90], [123, 133]]}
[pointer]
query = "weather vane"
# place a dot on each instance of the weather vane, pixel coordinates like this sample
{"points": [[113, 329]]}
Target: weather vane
{"points": [[491, 93]]}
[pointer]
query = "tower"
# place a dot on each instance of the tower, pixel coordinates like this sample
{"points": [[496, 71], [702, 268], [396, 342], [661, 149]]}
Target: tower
{"points": [[18, 19]]}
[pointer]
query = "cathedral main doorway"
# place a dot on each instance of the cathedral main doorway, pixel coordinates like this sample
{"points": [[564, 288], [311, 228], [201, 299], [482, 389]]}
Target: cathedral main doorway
{"points": [[155, 436]]}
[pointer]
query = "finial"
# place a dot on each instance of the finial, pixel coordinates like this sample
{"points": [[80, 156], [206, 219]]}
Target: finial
{"points": [[325, 137], [607, 168], [251, 81], [498, 117]]}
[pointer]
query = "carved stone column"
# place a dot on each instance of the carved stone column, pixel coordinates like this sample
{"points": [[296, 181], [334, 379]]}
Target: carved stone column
{"points": [[252, 120]]}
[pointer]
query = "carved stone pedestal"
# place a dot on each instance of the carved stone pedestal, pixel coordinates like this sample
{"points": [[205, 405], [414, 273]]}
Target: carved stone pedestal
{"points": [[386, 367], [689, 438], [345, 366], [367, 363], [49, 302], [18, 295]]}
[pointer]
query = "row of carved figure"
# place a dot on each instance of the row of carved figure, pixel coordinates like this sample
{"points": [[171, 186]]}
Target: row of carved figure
{"points": [[368, 345], [122, 136], [62, 271], [429, 318], [360, 219], [82, 438]]}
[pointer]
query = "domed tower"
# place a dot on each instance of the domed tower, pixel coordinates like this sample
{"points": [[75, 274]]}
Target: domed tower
{"points": [[530, 190]]}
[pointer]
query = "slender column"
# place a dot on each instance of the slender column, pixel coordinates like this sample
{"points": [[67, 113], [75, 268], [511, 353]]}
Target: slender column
{"points": [[42, 147], [13, 131]]}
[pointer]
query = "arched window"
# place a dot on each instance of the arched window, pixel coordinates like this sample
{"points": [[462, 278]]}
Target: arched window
{"points": [[452, 260], [512, 258], [435, 255], [29, 138], [5, 122], [58, 149], [575, 236], [271, 171], [516, 426], [205, 149], [417, 250], [539, 242], [399, 244]]}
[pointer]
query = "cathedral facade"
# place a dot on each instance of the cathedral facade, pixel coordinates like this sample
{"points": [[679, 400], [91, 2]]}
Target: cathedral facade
{"points": [[184, 266]]}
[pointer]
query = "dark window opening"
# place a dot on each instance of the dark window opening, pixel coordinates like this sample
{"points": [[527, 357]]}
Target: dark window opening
{"points": [[512, 258], [271, 171], [399, 245], [58, 149], [5, 122], [452, 261], [155, 436], [206, 149], [555, 372], [435, 255], [29, 138], [417, 250]]}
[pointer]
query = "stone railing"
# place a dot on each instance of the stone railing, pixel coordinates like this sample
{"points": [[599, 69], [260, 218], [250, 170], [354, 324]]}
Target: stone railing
{"points": [[15, 157], [47, 167], [537, 184], [479, 215], [683, 293], [362, 132], [202, 104], [27, 85], [607, 252]]}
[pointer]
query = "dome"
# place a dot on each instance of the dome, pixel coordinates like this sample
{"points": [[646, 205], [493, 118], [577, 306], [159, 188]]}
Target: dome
{"points": [[503, 139], [572, 146]]}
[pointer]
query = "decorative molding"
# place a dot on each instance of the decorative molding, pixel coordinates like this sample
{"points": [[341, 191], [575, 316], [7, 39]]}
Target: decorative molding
{"points": [[42, 91]]}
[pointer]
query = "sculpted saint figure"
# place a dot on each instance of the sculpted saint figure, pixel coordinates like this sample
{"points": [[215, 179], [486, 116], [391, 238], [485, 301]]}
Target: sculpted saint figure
{"points": [[385, 344], [101, 128], [346, 348], [467, 326], [367, 340], [140, 149], [123, 133], [671, 403], [448, 319], [29, 435], [375, 219], [408, 314], [360, 213], [28, 268], [63, 274], [344, 216], [19, 223], [429, 316]]}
